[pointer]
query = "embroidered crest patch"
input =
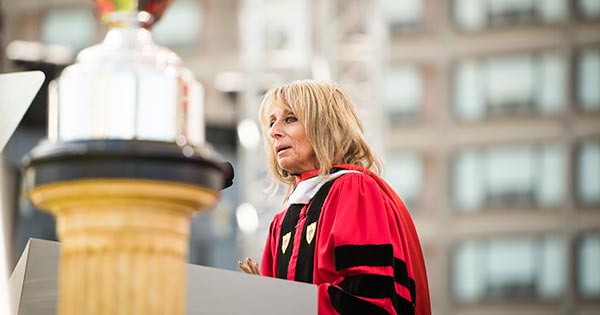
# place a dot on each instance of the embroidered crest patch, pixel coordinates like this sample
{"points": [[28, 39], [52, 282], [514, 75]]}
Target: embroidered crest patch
{"points": [[285, 241], [310, 232]]}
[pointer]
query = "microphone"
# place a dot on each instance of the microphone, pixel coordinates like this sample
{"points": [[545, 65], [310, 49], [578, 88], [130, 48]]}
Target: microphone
{"points": [[228, 170]]}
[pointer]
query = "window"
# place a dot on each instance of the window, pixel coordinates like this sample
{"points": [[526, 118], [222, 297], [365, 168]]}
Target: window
{"points": [[180, 25], [475, 15], [589, 260], [403, 15], [509, 85], [521, 267], [404, 172], [588, 172], [589, 9], [524, 175], [73, 27], [403, 92], [588, 79]]}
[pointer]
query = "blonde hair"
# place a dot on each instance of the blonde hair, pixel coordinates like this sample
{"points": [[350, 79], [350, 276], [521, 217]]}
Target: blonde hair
{"points": [[331, 123]]}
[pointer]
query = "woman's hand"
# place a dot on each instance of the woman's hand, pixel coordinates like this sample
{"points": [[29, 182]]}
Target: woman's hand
{"points": [[249, 267]]}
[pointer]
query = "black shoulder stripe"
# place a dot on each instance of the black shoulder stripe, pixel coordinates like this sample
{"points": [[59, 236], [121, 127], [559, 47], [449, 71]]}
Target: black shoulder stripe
{"points": [[347, 256], [403, 306], [284, 250], [401, 276], [306, 252], [369, 286], [346, 304]]}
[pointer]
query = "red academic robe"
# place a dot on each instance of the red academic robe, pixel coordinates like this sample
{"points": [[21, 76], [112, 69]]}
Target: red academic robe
{"points": [[360, 248]]}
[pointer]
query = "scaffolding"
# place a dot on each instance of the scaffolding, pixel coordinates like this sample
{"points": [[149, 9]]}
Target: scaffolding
{"points": [[340, 40]]}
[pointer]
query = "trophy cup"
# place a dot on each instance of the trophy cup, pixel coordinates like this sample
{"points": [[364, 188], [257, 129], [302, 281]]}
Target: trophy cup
{"points": [[124, 168], [128, 87]]}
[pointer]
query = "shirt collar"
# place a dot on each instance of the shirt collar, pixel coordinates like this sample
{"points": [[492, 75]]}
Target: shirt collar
{"points": [[306, 175], [309, 184]]}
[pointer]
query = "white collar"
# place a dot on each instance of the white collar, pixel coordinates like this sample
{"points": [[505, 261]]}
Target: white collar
{"points": [[307, 189]]}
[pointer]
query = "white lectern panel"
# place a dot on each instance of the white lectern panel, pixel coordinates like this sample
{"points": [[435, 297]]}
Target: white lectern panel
{"points": [[33, 288], [17, 91]]}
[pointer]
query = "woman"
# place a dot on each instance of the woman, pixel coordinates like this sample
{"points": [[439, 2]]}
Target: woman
{"points": [[345, 229]]}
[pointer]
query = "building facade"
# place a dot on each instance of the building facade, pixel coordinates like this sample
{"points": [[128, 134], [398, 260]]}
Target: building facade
{"points": [[495, 109]]}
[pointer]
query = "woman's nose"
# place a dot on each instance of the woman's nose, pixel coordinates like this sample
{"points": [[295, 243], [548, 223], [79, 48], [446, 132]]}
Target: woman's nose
{"points": [[275, 131]]}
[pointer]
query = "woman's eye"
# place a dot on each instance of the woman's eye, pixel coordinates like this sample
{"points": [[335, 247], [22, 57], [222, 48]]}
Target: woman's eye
{"points": [[271, 123], [291, 119]]}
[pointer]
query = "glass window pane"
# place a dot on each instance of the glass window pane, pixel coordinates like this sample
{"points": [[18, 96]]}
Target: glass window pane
{"points": [[469, 191], [510, 82], [528, 174], [589, 8], [510, 85], [588, 74], [405, 175], [180, 25], [551, 78], [588, 173], [506, 11], [589, 260], [469, 98], [550, 182], [509, 7], [470, 14], [402, 14], [552, 10], [469, 276], [74, 27], [511, 173], [509, 267], [403, 90], [552, 273], [475, 15]]}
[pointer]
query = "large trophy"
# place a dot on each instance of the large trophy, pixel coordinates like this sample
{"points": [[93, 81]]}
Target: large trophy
{"points": [[128, 87], [124, 169]]}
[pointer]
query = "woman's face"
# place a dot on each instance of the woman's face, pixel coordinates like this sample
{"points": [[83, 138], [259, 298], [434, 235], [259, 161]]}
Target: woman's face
{"points": [[292, 150]]}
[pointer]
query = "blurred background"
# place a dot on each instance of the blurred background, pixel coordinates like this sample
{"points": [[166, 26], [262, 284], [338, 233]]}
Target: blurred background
{"points": [[486, 113]]}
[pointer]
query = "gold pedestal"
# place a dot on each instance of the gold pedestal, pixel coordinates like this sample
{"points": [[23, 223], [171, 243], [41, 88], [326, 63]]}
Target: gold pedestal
{"points": [[124, 243]]}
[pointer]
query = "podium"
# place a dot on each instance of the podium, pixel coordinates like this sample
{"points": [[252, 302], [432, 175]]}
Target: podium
{"points": [[210, 291]]}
